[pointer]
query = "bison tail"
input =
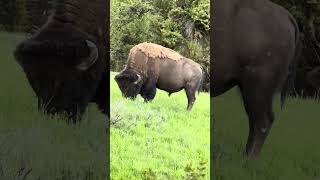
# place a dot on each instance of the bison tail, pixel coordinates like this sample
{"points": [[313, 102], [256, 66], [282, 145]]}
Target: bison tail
{"points": [[201, 81], [288, 86]]}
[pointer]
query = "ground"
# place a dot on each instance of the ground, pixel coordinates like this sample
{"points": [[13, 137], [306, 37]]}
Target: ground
{"points": [[291, 150], [160, 139]]}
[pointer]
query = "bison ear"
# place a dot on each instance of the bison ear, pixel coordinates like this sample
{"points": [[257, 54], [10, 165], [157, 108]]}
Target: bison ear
{"points": [[87, 62]]}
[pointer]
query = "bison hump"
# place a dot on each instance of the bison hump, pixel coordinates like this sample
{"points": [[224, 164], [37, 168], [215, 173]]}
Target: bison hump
{"points": [[156, 51]]}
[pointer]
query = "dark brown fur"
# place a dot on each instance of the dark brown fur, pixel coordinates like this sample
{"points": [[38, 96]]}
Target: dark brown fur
{"points": [[49, 58], [163, 73], [255, 45]]}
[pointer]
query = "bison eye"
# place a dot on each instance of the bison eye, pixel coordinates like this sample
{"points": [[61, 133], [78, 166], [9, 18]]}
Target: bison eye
{"points": [[132, 79]]}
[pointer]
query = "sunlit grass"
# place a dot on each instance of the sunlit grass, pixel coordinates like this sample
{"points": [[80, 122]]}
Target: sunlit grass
{"points": [[158, 139], [291, 151]]}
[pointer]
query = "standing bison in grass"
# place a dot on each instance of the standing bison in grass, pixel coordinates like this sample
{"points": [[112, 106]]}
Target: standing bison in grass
{"points": [[151, 66], [66, 61]]}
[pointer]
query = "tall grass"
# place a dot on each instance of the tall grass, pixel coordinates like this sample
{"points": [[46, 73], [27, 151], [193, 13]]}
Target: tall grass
{"points": [[290, 152], [34, 146], [160, 139]]}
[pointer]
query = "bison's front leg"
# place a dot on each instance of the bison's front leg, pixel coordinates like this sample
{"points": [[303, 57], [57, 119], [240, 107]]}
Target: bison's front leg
{"points": [[149, 94], [102, 96]]}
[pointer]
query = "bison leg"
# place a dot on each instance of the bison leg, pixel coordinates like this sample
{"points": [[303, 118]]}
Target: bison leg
{"points": [[102, 96], [191, 95], [257, 100], [148, 95]]}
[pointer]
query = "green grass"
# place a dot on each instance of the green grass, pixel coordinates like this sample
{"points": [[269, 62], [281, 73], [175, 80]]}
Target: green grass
{"points": [[160, 139], [38, 147], [291, 150]]}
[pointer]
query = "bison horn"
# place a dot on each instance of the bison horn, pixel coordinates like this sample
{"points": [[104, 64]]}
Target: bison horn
{"points": [[91, 59], [138, 80]]}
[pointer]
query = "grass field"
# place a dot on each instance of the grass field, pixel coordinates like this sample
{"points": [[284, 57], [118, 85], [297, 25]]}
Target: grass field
{"points": [[291, 152], [160, 139], [33, 146]]}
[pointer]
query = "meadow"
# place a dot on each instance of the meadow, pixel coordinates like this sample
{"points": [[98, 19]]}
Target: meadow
{"points": [[159, 139], [290, 152], [35, 146]]}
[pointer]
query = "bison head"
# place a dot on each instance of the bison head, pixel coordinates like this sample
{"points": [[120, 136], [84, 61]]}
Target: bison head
{"points": [[130, 83], [65, 62], [63, 70]]}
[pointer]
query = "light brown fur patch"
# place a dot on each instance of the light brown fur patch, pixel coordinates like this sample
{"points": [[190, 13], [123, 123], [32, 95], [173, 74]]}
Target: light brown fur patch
{"points": [[155, 51]]}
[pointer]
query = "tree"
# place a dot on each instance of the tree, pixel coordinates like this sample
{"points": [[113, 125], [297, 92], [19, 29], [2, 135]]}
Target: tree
{"points": [[23, 15]]}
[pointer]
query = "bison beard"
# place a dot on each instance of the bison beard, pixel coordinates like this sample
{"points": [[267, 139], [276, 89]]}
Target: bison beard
{"points": [[65, 62]]}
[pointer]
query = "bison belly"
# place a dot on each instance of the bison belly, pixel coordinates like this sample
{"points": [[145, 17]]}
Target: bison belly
{"points": [[174, 76], [170, 82]]}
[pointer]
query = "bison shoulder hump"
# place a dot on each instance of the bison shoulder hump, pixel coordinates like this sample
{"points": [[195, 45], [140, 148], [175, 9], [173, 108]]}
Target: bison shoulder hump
{"points": [[155, 51]]}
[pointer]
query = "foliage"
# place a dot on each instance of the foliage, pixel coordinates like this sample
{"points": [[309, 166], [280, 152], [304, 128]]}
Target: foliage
{"points": [[182, 25], [159, 139], [307, 14], [194, 173], [23, 15]]}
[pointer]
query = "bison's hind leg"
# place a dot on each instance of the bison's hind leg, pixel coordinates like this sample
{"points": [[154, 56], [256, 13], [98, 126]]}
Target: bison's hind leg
{"points": [[191, 94], [257, 94]]}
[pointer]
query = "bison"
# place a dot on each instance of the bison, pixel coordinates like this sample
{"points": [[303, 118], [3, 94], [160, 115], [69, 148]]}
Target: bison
{"points": [[66, 61], [151, 66], [256, 44]]}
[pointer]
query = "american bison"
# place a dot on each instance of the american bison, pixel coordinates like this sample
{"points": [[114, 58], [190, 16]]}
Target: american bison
{"points": [[66, 61], [151, 66], [255, 46]]}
